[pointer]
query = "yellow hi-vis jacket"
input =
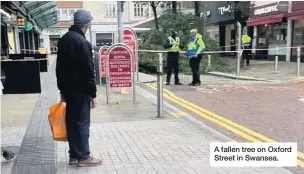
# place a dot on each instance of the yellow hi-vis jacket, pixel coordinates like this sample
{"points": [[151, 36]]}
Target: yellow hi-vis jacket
{"points": [[246, 40], [196, 45], [175, 44]]}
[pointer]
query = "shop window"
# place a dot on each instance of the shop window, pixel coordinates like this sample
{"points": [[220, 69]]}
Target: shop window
{"points": [[278, 38], [104, 39], [297, 36]]}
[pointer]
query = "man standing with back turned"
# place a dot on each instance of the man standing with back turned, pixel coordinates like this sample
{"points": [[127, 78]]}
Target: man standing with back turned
{"points": [[76, 82]]}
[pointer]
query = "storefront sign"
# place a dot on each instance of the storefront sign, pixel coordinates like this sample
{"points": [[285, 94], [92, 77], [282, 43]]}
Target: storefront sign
{"points": [[102, 53], [223, 10], [266, 10], [130, 39], [28, 26], [269, 9], [120, 61]]}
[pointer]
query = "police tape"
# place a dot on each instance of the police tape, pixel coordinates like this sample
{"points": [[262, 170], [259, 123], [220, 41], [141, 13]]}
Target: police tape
{"points": [[278, 48], [23, 60], [184, 52]]}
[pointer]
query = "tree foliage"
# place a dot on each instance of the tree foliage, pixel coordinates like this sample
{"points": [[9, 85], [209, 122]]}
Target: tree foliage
{"points": [[154, 40]]}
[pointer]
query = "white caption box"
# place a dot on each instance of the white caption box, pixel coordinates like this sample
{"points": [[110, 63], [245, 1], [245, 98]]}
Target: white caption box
{"points": [[253, 154]]}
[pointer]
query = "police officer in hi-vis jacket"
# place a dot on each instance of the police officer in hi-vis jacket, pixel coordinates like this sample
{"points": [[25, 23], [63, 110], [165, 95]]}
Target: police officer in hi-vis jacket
{"points": [[195, 48], [246, 40], [173, 43]]}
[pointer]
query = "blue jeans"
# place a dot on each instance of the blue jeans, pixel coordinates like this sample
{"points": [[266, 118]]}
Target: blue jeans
{"points": [[78, 125]]}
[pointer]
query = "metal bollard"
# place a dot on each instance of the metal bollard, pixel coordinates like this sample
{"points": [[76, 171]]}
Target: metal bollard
{"points": [[209, 61], [298, 60], [238, 63], [160, 86], [276, 60]]}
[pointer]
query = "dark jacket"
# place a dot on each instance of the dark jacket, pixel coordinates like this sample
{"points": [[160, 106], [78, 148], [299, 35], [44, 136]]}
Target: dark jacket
{"points": [[75, 68]]}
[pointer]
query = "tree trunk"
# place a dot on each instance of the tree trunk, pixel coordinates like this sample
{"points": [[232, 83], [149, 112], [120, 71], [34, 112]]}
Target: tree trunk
{"points": [[153, 6], [197, 8], [174, 6]]}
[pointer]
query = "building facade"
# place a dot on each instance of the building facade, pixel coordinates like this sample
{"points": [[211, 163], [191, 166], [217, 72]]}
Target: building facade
{"points": [[221, 19], [277, 24], [50, 36], [104, 24], [21, 25]]}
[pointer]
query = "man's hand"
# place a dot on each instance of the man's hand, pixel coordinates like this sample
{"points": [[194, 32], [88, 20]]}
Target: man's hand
{"points": [[62, 98], [94, 103]]}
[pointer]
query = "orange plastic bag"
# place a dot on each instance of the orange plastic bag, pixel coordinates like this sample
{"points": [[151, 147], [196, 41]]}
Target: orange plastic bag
{"points": [[57, 121]]}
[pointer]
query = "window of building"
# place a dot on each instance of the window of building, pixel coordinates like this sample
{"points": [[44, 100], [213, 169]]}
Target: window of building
{"points": [[187, 4], [277, 37], [110, 10], [58, 14], [297, 36], [66, 14], [139, 10], [104, 39], [71, 13]]}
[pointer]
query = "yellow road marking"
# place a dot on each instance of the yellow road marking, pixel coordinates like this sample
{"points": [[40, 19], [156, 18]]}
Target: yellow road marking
{"points": [[249, 131], [202, 112], [179, 113]]}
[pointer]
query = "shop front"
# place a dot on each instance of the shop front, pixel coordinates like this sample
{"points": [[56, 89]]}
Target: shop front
{"points": [[297, 17], [269, 30], [221, 19]]}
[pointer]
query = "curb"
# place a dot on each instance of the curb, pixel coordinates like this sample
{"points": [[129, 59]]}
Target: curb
{"points": [[298, 80], [238, 77], [171, 108]]}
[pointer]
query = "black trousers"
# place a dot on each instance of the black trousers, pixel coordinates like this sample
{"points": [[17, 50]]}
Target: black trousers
{"points": [[195, 68], [246, 56], [172, 64], [78, 124]]}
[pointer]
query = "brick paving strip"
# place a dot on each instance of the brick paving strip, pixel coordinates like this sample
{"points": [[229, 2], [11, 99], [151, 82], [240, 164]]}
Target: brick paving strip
{"points": [[37, 152]]}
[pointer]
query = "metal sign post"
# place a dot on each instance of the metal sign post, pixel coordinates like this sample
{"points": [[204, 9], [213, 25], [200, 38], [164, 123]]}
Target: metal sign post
{"points": [[238, 62], [119, 69], [298, 61], [160, 86], [101, 55], [97, 67]]}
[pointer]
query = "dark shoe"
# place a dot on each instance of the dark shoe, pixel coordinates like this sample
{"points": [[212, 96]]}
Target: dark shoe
{"points": [[178, 83], [197, 84], [73, 161], [168, 83], [90, 162], [190, 84]]}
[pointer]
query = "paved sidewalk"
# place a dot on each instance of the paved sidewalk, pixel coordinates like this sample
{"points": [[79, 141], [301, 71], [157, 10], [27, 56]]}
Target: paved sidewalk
{"points": [[264, 71]]}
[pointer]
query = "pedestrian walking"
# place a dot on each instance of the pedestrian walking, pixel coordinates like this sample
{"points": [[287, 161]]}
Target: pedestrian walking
{"points": [[246, 40], [195, 48], [76, 83], [173, 43]]}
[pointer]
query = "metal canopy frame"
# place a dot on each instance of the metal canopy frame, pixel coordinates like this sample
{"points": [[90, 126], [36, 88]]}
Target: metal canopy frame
{"points": [[44, 13]]}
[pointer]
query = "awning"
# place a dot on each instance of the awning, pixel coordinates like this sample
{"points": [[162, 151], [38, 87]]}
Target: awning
{"points": [[44, 13], [265, 20], [296, 15]]}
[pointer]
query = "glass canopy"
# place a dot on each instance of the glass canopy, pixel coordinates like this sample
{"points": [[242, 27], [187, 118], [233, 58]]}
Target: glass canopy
{"points": [[44, 13]]}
